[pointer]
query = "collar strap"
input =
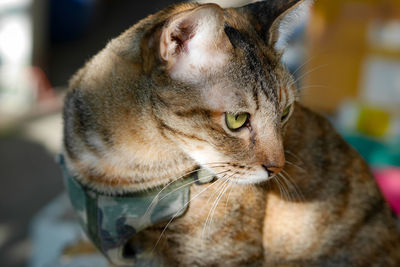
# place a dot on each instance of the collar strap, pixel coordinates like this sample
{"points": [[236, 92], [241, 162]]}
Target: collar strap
{"points": [[111, 221]]}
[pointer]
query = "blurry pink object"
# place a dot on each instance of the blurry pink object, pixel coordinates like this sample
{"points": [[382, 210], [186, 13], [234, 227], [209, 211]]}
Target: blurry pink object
{"points": [[389, 182]]}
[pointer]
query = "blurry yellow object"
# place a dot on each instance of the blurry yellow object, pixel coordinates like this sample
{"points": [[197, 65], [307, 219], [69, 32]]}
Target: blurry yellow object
{"points": [[373, 122], [347, 40]]}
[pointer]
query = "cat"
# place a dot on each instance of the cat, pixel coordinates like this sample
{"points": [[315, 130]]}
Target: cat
{"points": [[200, 86]]}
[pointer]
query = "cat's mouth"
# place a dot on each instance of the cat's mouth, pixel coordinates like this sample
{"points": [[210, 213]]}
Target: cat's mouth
{"points": [[248, 177], [253, 180]]}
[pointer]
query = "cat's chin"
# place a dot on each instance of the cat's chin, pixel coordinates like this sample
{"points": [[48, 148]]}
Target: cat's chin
{"points": [[251, 180]]}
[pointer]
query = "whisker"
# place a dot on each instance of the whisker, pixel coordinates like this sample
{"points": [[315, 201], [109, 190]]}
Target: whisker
{"points": [[179, 211], [191, 182], [222, 180], [302, 65], [314, 86], [280, 187], [166, 186], [289, 194], [294, 155], [295, 165], [152, 203], [214, 206], [211, 196], [228, 185], [216, 162], [294, 185], [227, 199], [308, 72]]}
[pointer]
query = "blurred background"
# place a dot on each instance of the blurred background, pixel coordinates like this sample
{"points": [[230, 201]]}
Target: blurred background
{"points": [[345, 57]]}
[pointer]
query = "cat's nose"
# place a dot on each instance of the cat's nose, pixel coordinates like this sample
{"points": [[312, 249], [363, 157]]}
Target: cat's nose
{"points": [[271, 170]]}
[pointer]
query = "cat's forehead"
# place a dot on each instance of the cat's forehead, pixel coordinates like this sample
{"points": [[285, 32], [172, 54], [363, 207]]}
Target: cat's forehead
{"points": [[253, 76], [255, 65], [242, 91], [226, 96], [258, 64]]}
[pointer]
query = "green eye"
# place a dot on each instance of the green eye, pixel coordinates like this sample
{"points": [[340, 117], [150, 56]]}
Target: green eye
{"points": [[286, 112], [235, 122]]}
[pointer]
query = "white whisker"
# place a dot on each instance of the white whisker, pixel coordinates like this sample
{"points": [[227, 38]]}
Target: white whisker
{"points": [[289, 196], [227, 199], [167, 185], [191, 182], [294, 155], [209, 198], [280, 187], [214, 206], [295, 165], [302, 65], [294, 185], [179, 211], [306, 73]]}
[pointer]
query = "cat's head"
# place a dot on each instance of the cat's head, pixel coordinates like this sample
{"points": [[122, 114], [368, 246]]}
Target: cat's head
{"points": [[207, 80], [225, 97]]}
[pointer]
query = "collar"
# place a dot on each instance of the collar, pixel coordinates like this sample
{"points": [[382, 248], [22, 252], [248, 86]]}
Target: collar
{"points": [[111, 221]]}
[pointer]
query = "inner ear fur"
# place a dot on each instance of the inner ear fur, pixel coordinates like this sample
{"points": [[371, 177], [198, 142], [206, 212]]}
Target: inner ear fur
{"points": [[183, 27], [266, 16]]}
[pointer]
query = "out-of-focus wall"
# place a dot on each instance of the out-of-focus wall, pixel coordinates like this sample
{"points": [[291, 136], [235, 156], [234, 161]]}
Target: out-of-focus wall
{"points": [[353, 52], [352, 70]]}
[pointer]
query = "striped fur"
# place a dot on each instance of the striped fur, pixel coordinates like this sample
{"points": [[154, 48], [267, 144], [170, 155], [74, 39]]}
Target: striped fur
{"points": [[150, 108]]}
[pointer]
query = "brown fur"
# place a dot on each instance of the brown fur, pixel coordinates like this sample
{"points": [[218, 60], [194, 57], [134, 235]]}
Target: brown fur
{"points": [[136, 119]]}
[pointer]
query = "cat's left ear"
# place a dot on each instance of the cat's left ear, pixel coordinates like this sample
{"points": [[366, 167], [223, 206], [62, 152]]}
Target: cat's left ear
{"points": [[275, 19], [189, 42]]}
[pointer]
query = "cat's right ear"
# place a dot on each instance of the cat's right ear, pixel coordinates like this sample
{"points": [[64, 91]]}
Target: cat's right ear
{"points": [[275, 19], [189, 42]]}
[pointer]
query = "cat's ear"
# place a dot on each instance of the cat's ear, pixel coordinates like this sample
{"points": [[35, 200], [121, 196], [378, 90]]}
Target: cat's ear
{"points": [[188, 42], [275, 19]]}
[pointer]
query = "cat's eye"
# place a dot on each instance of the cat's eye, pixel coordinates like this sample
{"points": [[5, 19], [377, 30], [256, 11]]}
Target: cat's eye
{"points": [[236, 121], [286, 112]]}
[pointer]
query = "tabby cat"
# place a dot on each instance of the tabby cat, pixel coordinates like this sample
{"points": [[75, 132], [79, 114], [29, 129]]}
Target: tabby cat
{"points": [[200, 86]]}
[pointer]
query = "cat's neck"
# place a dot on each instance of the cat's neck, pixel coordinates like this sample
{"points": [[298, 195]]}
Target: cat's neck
{"points": [[144, 160]]}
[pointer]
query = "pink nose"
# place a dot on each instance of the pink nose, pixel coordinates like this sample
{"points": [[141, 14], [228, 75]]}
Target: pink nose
{"points": [[272, 170]]}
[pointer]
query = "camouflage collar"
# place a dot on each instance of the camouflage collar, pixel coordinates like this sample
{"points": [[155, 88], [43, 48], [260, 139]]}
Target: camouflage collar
{"points": [[111, 221]]}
